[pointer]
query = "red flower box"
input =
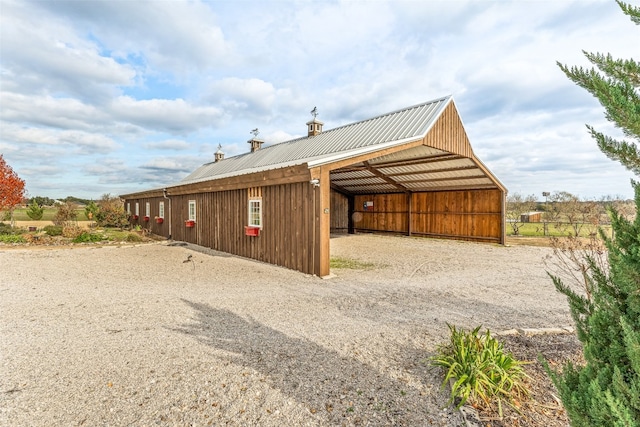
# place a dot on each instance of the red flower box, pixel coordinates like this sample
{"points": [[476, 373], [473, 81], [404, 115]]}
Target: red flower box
{"points": [[135, 217], [251, 231], [189, 223], [159, 220], [146, 218]]}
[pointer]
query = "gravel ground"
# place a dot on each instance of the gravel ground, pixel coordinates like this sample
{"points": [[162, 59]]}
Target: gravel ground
{"points": [[144, 335]]}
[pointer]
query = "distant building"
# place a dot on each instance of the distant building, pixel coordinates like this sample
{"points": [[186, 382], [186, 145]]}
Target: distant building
{"points": [[531, 217]]}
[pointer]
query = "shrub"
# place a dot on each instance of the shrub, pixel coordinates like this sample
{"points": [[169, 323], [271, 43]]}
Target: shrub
{"points": [[71, 231], [606, 390], [5, 228], [133, 237], [85, 237], [53, 230], [65, 215], [111, 212], [480, 368], [35, 211]]}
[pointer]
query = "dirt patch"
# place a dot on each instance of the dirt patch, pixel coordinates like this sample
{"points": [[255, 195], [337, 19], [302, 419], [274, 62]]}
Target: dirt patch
{"points": [[543, 407]]}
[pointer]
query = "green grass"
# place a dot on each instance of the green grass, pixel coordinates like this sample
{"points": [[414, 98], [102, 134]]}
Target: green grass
{"points": [[340, 262], [536, 229]]}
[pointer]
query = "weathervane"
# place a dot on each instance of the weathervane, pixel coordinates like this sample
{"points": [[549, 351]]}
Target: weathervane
{"points": [[219, 147], [255, 132], [314, 112]]}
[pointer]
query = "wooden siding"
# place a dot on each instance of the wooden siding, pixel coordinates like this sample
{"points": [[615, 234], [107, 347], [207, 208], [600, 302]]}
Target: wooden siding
{"points": [[448, 133], [467, 215], [151, 225], [339, 212], [287, 234]]}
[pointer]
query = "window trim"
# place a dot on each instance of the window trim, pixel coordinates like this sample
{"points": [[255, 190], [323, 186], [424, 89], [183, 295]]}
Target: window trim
{"points": [[192, 213], [252, 202], [161, 210], [138, 208], [147, 209], [129, 208]]}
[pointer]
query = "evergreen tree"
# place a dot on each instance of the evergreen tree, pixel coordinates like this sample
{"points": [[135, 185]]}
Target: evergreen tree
{"points": [[616, 87], [35, 211], [606, 390]]}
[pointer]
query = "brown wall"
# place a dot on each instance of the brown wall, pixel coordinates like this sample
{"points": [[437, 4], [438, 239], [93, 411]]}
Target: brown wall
{"points": [[151, 225], [287, 235], [468, 215]]}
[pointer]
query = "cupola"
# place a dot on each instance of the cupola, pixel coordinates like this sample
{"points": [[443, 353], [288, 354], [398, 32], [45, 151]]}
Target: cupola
{"points": [[314, 127], [219, 155], [255, 142]]}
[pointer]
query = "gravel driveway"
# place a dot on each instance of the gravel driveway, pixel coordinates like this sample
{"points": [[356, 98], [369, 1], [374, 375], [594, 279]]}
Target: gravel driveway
{"points": [[144, 335]]}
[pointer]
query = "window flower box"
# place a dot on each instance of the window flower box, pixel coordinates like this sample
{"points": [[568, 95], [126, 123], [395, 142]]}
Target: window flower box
{"points": [[146, 218], [159, 220], [190, 223], [134, 217], [251, 231]]}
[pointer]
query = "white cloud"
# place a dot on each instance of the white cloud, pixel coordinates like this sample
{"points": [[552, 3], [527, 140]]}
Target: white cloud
{"points": [[108, 93], [173, 116], [50, 58]]}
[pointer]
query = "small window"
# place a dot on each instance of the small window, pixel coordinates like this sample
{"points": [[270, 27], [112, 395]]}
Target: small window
{"points": [[310, 128], [129, 208], [137, 208], [192, 210], [255, 213], [147, 209], [161, 210]]}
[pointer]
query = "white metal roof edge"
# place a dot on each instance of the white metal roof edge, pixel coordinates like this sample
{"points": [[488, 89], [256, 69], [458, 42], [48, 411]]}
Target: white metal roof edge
{"points": [[326, 159]]}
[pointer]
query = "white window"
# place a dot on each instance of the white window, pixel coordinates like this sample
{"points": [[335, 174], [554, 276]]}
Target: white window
{"points": [[192, 210], [147, 209], [255, 213], [161, 210], [137, 208], [129, 208]]}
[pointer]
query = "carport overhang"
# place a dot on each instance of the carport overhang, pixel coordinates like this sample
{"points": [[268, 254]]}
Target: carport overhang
{"points": [[412, 166]]}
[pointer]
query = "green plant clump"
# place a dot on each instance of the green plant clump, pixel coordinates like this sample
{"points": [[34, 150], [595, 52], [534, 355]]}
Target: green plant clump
{"points": [[85, 237], [482, 372], [133, 237], [12, 238], [53, 230], [5, 228]]}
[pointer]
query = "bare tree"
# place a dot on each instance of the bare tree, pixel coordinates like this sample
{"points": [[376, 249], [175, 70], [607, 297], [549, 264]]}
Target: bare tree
{"points": [[517, 205]]}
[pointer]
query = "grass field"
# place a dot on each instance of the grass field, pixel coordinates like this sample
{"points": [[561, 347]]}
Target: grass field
{"points": [[536, 229], [20, 214]]}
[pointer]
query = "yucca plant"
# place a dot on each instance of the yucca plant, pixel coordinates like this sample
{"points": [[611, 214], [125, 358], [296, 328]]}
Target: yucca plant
{"points": [[480, 370]]}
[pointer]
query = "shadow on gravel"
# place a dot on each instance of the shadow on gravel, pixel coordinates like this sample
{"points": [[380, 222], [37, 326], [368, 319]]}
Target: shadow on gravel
{"points": [[335, 389]]}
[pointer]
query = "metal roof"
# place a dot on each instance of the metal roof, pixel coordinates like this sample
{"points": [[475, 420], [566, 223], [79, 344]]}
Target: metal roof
{"points": [[421, 168], [347, 141]]}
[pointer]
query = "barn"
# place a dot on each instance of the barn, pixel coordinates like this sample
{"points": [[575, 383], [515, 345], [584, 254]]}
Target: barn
{"points": [[410, 172]]}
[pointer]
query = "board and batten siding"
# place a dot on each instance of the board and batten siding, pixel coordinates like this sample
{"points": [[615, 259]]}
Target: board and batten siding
{"points": [[287, 234], [466, 214], [154, 207]]}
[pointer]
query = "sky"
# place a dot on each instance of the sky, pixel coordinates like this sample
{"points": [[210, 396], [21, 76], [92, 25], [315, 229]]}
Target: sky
{"points": [[121, 96]]}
